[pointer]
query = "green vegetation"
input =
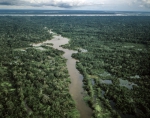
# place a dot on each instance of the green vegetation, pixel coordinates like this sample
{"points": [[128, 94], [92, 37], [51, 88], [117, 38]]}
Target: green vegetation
{"points": [[115, 66], [34, 83], [118, 48]]}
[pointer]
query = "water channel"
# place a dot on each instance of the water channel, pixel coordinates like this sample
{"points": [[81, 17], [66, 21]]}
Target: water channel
{"points": [[76, 86]]}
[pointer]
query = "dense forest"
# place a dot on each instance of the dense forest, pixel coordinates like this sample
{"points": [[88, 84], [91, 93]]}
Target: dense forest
{"points": [[115, 66], [34, 83]]}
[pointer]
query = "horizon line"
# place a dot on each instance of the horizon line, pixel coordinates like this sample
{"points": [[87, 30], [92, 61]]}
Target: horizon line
{"points": [[80, 10]]}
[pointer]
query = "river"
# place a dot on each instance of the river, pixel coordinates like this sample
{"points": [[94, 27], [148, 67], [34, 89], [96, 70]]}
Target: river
{"points": [[76, 86]]}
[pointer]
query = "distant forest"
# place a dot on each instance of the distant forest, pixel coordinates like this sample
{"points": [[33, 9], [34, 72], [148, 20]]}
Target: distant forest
{"points": [[115, 67]]}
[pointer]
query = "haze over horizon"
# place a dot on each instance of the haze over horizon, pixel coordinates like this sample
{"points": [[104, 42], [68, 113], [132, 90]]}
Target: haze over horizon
{"points": [[118, 5]]}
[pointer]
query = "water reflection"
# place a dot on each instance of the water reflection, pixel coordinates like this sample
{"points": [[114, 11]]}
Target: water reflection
{"points": [[106, 81], [126, 83]]}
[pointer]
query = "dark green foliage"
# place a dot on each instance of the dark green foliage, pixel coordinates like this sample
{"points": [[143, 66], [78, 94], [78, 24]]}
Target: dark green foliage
{"points": [[33, 83], [117, 48]]}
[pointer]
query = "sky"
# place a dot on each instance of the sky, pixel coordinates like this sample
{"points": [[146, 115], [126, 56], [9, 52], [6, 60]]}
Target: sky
{"points": [[110, 5]]}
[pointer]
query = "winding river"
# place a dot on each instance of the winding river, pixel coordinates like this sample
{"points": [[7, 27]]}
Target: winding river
{"points": [[76, 86]]}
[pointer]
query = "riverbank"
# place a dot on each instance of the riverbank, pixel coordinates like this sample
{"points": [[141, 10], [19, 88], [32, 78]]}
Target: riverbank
{"points": [[76, 85]]}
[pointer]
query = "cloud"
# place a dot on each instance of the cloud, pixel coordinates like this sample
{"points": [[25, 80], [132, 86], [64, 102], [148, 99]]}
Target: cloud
{"points": [[5, 3], [56, 3], [145, 3], [13, 2]]}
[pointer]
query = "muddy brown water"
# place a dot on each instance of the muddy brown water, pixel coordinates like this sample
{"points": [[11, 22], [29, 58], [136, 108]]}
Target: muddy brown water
{"points": [[76, 86]]}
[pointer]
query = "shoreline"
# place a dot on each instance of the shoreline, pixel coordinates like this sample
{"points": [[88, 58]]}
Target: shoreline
{"points": [[76, 85]]}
